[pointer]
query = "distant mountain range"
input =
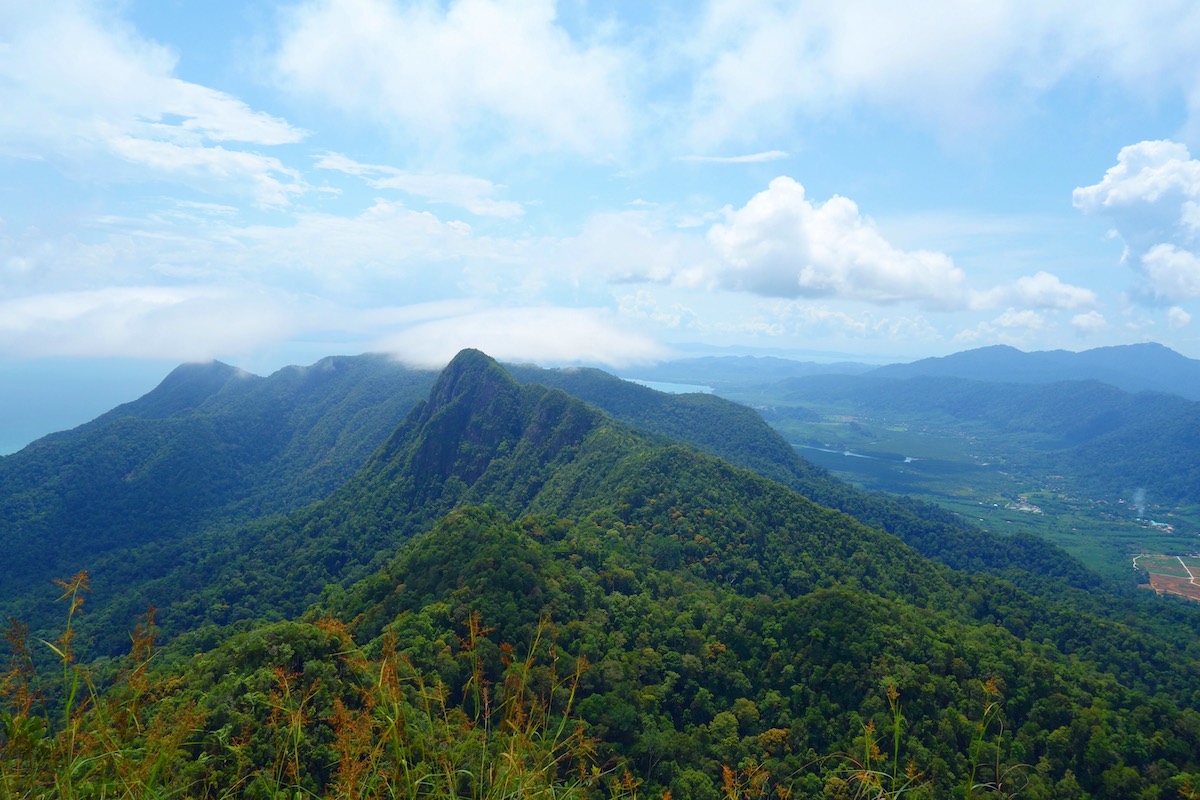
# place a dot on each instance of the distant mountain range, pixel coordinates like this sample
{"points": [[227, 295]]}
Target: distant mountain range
{"points": [[1133, 368]]}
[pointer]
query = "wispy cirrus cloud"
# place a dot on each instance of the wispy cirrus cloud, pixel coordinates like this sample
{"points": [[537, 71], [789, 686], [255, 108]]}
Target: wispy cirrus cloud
{"points": [[88, 93], [465, 191], [748, 158], [761, 65]]}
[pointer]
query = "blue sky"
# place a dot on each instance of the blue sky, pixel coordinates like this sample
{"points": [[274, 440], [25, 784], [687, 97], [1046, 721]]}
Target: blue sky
{"points": [[603, 182]]}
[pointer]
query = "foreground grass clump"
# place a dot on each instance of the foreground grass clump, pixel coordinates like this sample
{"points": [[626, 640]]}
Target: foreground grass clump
{"points": [[367, 728], [83, 743]]}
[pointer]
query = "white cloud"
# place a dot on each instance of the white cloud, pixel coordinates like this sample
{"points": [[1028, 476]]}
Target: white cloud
{"points": [[1041, 290], [86, 92], [484, 68], [473, 194], [1178, 318], [749, 158], [1172, 273], [1012, 319], [385, 239], [1152, 195], [956, 66], [383, 253], [540, 334], [646, 306], [218, 117], [187, 323], [1145, 173], [633, 246], [1089, 322], [1013, 327], [782, 245], [271, 183]]}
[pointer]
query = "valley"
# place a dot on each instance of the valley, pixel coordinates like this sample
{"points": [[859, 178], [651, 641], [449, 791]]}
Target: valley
{"points": [[1095, 451], [993, 479]]}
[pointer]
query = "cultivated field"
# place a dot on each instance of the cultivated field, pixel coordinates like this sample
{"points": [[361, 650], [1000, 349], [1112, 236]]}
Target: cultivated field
{"points": [[1178, 575]]}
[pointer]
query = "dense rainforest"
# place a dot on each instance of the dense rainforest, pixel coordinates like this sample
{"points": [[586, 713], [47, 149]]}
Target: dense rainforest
{"points": [[554, 583]]}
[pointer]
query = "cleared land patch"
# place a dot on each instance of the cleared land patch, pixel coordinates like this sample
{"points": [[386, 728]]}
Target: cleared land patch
{"points": [[1177, 575]]}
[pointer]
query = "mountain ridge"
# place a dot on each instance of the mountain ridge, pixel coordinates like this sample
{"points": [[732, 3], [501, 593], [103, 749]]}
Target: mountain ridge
{"points": [[1133, 368]]}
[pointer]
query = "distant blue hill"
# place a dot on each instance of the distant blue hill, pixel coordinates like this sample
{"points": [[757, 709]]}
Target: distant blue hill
{"points": [[1134, 367]]}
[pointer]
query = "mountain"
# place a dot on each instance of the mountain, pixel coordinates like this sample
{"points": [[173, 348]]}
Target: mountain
{"points": [[210, 445], [1134, 368], [740, 436], [721, 627], [129, 495]]}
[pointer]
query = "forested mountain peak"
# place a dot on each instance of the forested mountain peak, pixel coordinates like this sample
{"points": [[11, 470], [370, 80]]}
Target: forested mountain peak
{"points": [[480, 426], [186, 387], [211, 445], [468, 368]]}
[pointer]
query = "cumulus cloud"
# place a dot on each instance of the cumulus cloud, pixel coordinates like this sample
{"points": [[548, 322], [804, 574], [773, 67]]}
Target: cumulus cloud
{"points": [[1041, 290], [541, 334], [1178, 318], [1172, 273], [1025, 319], [1145, 172], [471, 67], [473, 194], [780, 244], [87, 92], [1152, 195], [1012, 327], [1089, 322]]}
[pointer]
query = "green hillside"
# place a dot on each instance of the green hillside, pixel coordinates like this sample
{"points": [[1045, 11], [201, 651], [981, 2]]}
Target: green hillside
{"points": [[151, 493], [519, 595], [209, 446]]}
